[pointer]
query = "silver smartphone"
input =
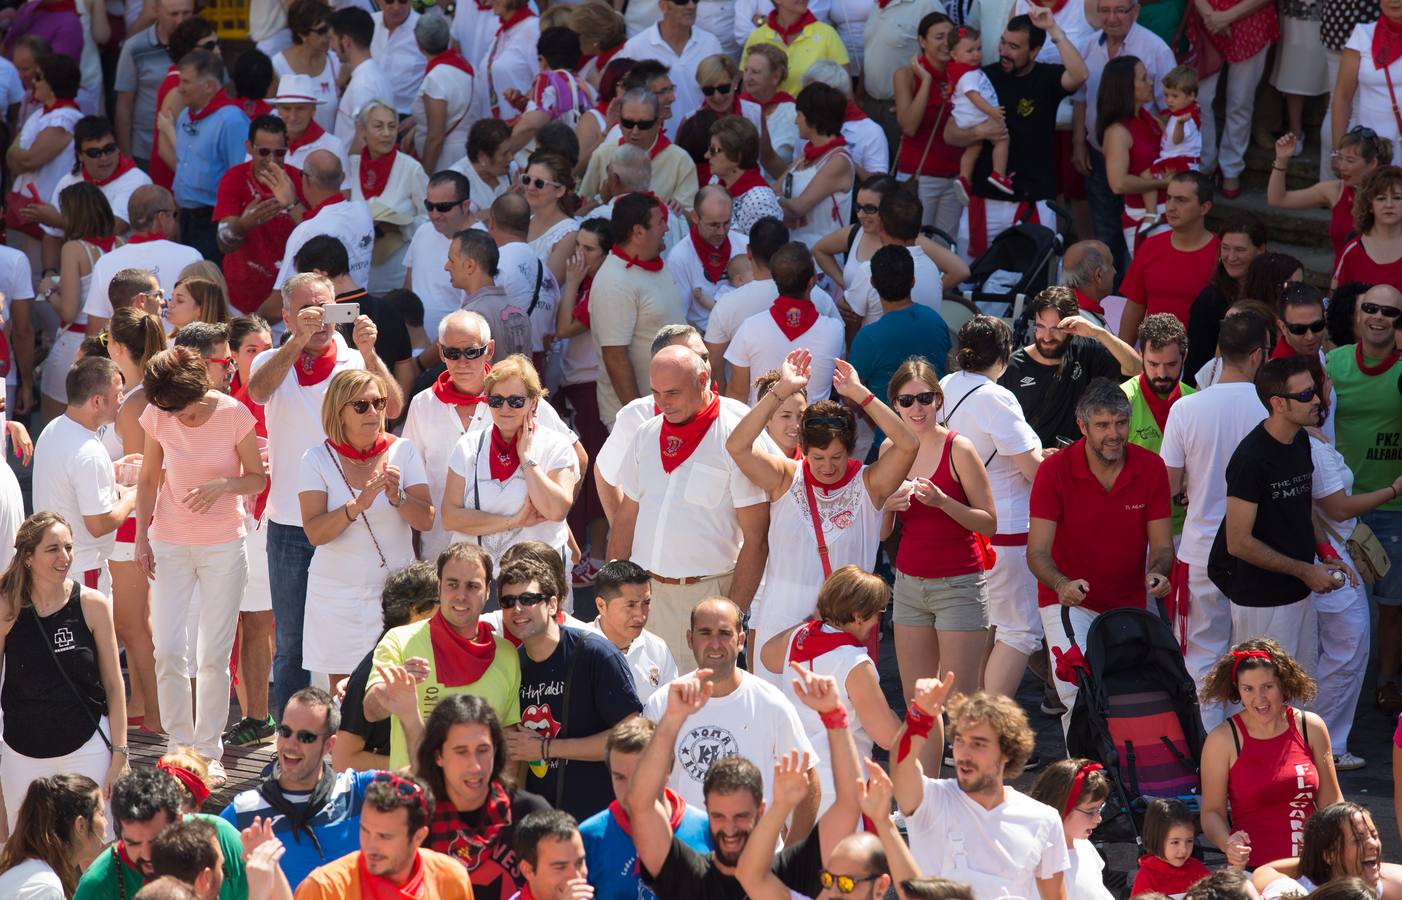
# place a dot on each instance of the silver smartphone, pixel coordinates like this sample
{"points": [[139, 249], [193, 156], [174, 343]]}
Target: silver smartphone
{"points": [[339, 313]]}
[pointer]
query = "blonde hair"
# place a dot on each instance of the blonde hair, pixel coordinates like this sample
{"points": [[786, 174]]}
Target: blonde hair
{"points": [[716, 68], [599, 24], [203, 268], [345, 387], [851, 593], [516, 366]]}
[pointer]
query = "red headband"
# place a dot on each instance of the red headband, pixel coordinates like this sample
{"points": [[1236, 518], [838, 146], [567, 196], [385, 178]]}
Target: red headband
{"points": [[189, 780], [962, 32], [1078, 785], [1238, 656]]}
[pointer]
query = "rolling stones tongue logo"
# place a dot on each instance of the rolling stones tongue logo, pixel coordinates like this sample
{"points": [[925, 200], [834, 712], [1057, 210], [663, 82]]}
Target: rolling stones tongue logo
{"points": [[674, 445], [538, 719]]}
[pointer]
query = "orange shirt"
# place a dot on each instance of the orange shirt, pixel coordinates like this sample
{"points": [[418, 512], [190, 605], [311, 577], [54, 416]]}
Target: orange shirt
{"points": [[444, 879]]}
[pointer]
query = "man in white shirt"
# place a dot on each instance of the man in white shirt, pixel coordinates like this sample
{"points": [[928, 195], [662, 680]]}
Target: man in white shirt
{"points": [[521, 272], [623, 595], [1202, 431], [792, 322], [900, 225], [676, 42], [352, 32], [151, 246], [973, 828], [677, 478], [397, 53], [449, 211], [296, 104], [291, 382], [102, 164], [702, 265], [73, 473], [330, 213]]}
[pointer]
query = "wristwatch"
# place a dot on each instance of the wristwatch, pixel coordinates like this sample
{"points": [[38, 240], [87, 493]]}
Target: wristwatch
{"points": [[530, 463]]}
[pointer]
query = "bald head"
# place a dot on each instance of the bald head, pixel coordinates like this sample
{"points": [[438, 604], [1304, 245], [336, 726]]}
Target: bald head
{"points": [[511, 218], [1375, 331], [861, 856], [724, 609], [146, 203], [323, 169], [680, 382], [1090, 268]]}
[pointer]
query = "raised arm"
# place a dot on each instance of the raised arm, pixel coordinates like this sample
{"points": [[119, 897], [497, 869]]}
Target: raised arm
{"points": [[1320, 193], [1131, 363], [886, 474], [820, 694], [771, 473], [789, 787], [922, 724], [876, 806]]}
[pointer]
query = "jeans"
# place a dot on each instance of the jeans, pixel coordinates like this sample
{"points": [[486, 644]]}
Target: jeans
{"points": [[1105, 209], [1387, 526], [199, 230], [289, 556]]}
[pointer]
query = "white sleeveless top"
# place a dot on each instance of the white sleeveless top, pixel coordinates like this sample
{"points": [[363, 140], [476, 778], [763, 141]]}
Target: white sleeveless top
{"points": [[545, 244], [831, 213], [323, 85]]}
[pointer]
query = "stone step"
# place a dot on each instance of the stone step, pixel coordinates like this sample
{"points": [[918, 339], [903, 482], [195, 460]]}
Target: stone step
{"points": [[1304, 227], [1300, 172], [1318, 262]]}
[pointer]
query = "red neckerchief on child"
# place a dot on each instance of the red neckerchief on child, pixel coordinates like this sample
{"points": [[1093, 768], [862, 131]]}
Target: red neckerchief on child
{"points": [[678, 442], [124, 165], [374, 173], [581, 304], [458, 660], [60, 103], [518, 16], [748, 181], [1192, 110], [657, 146], [313, 133], [957, 70], [445, 390], [450, 57], [335, 198], [220, 101], [793, 315], [1381, 367], [713, 259], [145, 236], [1170, 879], [651, 265], [1159, 406], [812, 153], [811, 642], [382, 442], [316, 369], [764, 107], [676, 808], [1387, 42], [502, 458], [854, 113], [786, 35], [377, 887]]}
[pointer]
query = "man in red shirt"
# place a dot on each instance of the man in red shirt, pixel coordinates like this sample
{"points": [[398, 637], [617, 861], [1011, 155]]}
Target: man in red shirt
{"points": [[1099, 509], [258, 204], [1170, 270]]}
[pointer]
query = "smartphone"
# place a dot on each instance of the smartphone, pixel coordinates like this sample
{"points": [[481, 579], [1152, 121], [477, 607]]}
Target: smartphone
{"points": [[1061, 443], [339, 313]]}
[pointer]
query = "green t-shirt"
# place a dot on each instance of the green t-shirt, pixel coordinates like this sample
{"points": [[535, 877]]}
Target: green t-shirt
{"points": [[100, 882], [1368, 421], [500, 685], [1144, 430], [1165, 19]]}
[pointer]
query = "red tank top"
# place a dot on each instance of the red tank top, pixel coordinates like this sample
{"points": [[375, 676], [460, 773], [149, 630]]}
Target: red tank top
{"points": [[161, 173], [1146, 136], [1271, 790], [1341, 222], [933, 545], [942, 160]]}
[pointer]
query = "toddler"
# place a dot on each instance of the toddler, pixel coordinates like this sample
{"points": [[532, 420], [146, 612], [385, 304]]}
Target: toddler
{"points": [[975, 102], [1181, 145], [1169, 867]]}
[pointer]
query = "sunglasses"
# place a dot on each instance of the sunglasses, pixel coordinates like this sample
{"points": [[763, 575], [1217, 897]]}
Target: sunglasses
{"points": [[320, 29], [1373, 309], [539, 183], [526, 599], [712, 89], [825, 422], [637, 124], [211, 44], [303, 737], [456, 353], [362, 407], [924, 398], [868, 209], [686, 2], [846, 884], [1363, 131], [99, 152], [265, 152], [1304, 396], [220, 360], [1314, 327], [446, 206], [403, 787], [516, 401]]}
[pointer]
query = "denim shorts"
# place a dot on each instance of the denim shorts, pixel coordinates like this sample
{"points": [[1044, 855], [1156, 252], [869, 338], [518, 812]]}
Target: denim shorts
{"points": [[955, 603], [1387, 526]]}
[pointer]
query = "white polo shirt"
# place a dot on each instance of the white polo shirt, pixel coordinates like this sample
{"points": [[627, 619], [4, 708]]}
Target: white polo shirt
{"points": [[297, 159], [73, 477], [163, 259], [427, 253], [760, 346], [649, 660], [686, 268], [989, 415], [367, 82], [118, 192], [747, 300], [1140, 42], [928, 289], [782, 122], [400, 59], [649, 44], [293, 414], [347, 220], [891, 38]]}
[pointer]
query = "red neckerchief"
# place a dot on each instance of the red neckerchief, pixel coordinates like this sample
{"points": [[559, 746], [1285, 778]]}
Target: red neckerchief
{"points": [[1192, 110], [854, 113], [103, 243], [313, 133], [525, 892], [374, 173], [651, 265], [445, 390], [604, 58], [676, 809], [124, 165], [381, 444], [811, 641], [458, 660], [60, 104], [1171, 879], [335, 198], [519, 15], [713, 259], [779, 97], [957, 70], [812, 153], [502, 458], [220, 101], [602, 108], [678, 442], [1282, 350], [786, 35], [316, 369], [1085, 302], [1387, 42], [450, 57], [1381, 367], [253, 107], [853, 467], [188, 780], [1159, 406], [127, 860], [581, 305], [145, 236], [937, 74], [662, 143], [748, 181], [377, 887], [793, 315]]}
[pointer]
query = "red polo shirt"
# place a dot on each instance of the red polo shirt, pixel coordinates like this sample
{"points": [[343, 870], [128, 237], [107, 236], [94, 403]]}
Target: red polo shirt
{"points": [[1101, 536], [1162, 278], [252, 267]]}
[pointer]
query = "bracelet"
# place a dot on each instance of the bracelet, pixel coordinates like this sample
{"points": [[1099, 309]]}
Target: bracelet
{"points": [[1056, 588], [346, 510], [1394, 492], [1276, 168], [834, 719], [871, 395]]}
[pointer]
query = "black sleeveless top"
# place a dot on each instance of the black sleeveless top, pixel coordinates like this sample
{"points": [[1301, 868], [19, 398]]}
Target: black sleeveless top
{"points": [[44, 717]]}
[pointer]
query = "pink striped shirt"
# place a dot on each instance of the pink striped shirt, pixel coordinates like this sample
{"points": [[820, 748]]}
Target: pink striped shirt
{"points": [[194, 456]]}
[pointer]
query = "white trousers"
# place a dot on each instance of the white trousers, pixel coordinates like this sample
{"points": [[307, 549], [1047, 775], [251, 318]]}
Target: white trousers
{"points": [[17, 771], [1209, 635], [1292, 626], [942, 207], [220, 572], [1056, 640], [1326, 128], [1242, 78], [1342, 661]]}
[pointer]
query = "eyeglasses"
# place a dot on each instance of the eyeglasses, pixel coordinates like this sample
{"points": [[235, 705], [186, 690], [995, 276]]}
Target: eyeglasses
{"points": [[1091, 813], [846, 884], [637, 124], [685, 2], [265, 152], [229, 361], [99, 152], [924, 398], [1304, 396], [303, 737], [404, 787], [454, 354], [1314, 327], [362, 407], [539, 183], [516, 401], [1373, 309], [867, 209], [711, 89], [446, 206], [526, 599], [320, 29]]}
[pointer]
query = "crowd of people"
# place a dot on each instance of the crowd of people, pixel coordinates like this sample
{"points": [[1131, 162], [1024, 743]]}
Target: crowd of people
{"points": [[535, 418]]}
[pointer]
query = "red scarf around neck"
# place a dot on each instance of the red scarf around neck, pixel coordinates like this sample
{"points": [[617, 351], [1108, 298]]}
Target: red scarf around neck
{"points": [[1381, 367], [1159, 406], [1282, 349], [452, 58], [517, 17], [713, 259], [124, 165], [651, 265], [377, 887], [329, 201], [853, 467], [812, 153], [458, 660], [316, 369], [374, 173], [382, 442], [60, 103], [765, 107], [854, 113], [1387, 42], [662, 143], [793, 315], [502, 458], [103, 243], [811, 642], [786, 35], [145, 237], [581, 303], [678, 442], [1085, 302], [313, 133], [1192, 110], [748, 181], [220, 101], [445, 390], [676, 808]]}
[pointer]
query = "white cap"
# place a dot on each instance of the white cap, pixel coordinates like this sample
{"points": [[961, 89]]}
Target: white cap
{"points": [[296, 88]]}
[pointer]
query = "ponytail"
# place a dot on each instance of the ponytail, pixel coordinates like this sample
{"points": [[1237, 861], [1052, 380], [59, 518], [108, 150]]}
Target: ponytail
{"points": [[139, 333]]}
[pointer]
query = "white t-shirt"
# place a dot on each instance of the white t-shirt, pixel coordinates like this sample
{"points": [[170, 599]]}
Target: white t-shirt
{"points": [[349, 221], [649, 660], [1190, 146], [1085, 880], [517, 269], [686, 268], [428, 251], [1202, 432], [400, 59], [511, 64], [31, 880], [999, 852], [836, 664], [753, 721], [461, 94], [989, 415], [367, 82], [73, 477], [16, 283], [1374, 98], [118, 192], [866, 302], [162, 258], [293, 414], [751, 299], [760, 346]]}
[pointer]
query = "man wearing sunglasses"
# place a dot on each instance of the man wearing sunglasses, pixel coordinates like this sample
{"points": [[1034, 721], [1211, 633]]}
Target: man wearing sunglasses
{"points": [[1300, 319], [100, 163], [676, 42], [640, 123], [153, 245], [449, 207]]}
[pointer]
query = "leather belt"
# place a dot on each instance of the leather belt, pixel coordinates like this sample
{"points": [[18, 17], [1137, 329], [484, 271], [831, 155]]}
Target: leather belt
{"points": [[682, 582]]}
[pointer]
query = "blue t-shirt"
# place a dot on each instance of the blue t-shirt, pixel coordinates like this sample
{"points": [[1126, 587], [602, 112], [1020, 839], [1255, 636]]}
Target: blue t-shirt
{"points": [[613, 861], [879, 349], [336, 825], [205, 150]]}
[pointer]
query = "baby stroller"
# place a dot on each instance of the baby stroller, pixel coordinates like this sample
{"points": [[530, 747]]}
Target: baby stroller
{"points": [[1017, 265]]}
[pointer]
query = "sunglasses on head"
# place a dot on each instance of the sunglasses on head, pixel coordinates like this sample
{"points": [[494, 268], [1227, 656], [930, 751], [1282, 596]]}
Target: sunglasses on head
{"points": [[303, 737], [320, 29], [1304, 396], [637, 124], [211, 44], [538, 183], [446, 206], [1297, 328], [1363, 131], [1373, 309], [265, 152], [825, 422], [404, 787], [515, 401], [456, 353], [362, 407], [530, 598], [711, 89], [99, 152], [924, 398], [846, 884]]}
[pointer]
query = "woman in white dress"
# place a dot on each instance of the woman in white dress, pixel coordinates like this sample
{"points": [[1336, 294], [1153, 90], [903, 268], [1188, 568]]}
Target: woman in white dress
{"points": [[549, 188], [60, 829], [363, 493], [395, 186], [817, 189], [1077, 789], [512, 63], [91, 231], [310, 55]]}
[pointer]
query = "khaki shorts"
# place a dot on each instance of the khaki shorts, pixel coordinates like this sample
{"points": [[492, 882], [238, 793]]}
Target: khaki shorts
{"points": [[955, 603]]}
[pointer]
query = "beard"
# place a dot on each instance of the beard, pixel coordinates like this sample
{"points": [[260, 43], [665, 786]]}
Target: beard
{"points": [[1108, 453], [1053, 349], [1162, 386], [978, 783], [724, 858]]}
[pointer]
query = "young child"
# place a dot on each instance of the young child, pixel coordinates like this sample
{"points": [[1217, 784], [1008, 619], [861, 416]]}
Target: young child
{"points": [[1169, 867], [1181, 145], [975, 102]]}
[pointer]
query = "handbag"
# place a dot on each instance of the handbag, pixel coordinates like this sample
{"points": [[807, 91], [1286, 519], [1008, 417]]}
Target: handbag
{"points": [[912, 184], [1369, 557], [18, 200]]}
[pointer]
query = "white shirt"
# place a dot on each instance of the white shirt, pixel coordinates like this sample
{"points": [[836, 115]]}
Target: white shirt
{"points": [[429, 280], [649, 660], [511, 64], [642, 14], [999, 852], [782, 121], [352, 557], [649, 44], [836, 664], [1200, 437], [323, 85], [989, 415], [73, 477], [480, 193], [753, 721], [162, 258], [367, 82], [400, 59], [32, 879], [16, 283], [698, 499], [891, 39], [686, 268], [1071, 19], [464, 103], [609, 460], [329, 142], [1139, 42], [349, 221], [118, 192], [1085, 880], [293, 414], [46, 176], [760, 346], [517, 269], [862, 297], [751, 299], [870, 149], [474, 27]]}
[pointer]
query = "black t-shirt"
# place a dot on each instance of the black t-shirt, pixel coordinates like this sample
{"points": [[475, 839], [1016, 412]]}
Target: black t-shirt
{"points": [[1048, 394], [375, 734], [1029, 107], [688, 875], [392, 343], [590, 675], [1277, 478]]}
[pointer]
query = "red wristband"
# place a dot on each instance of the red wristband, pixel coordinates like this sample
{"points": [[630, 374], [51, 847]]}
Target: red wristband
{"points": [[871, 395], [1326, 552], [834, 719], [918, 723]]}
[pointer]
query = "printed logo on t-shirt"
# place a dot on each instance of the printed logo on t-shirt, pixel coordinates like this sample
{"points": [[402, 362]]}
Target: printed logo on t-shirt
{"points": [[539, 719], [1294, 486], [1027, 381], [702, 747], [63, 639]]}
